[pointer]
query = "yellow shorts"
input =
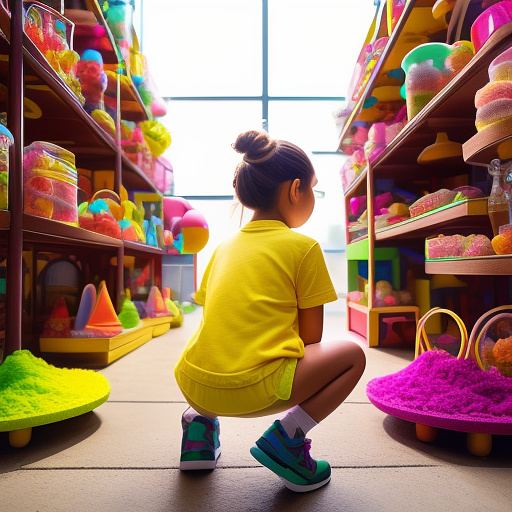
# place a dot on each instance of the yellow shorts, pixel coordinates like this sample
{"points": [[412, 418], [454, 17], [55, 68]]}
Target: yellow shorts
{"points": [[240, 400]]}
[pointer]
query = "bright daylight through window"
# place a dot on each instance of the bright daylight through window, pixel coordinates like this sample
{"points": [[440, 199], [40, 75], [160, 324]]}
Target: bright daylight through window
{"points": [[226, 66]]}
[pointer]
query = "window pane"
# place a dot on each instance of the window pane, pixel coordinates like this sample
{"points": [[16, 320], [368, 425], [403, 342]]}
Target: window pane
{"points": [[309, 124], [313, 46], [204, 48], [202, 133]]}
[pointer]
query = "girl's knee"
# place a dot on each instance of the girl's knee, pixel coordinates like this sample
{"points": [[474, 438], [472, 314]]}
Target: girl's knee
{"points": [[356, 355]]}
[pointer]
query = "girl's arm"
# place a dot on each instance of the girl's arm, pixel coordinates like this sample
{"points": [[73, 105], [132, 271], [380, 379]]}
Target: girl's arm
{"points": [[311, 324]]}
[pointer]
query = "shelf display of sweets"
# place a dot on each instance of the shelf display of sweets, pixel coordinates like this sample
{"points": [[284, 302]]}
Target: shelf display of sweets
{"points": [[493, 102], [92, 79], [48, 29], [50, 182], [5, 141], [428, 68]]}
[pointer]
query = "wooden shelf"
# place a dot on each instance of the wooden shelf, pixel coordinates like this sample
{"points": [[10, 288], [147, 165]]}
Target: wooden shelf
{"points": [[457, 215], [135, 246], [488, 265], [63, 120], [405, 29], [46, 231], [451, 110], [355, 184], [92, 32], [495, 141], [134, 178], [5, 220]]}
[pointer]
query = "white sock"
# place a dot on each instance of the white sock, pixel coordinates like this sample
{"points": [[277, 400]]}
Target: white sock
{"points": [[297, 418], [190, 414]]}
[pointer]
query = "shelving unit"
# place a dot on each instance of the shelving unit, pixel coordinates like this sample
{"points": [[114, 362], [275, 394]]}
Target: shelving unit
{"points": [[451, 110], [58, 117]]}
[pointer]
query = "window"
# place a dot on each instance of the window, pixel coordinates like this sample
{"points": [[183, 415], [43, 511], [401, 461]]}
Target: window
{"points": [[230, 65]]}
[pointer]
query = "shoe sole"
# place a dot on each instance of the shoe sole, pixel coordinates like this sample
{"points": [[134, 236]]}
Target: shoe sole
{"points": [[283, 472], [190, 465]]}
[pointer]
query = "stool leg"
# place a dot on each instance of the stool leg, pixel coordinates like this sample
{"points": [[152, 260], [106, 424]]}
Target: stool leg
{"points": [[479, 444], [20, 438], [425, 433]]}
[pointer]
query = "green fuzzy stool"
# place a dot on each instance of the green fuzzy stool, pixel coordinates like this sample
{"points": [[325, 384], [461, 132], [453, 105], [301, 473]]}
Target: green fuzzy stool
{"points": [[33, 393]]}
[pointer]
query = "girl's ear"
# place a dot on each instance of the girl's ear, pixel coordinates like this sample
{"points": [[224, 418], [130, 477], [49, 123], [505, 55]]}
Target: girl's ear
{"points": [[295, 191]]}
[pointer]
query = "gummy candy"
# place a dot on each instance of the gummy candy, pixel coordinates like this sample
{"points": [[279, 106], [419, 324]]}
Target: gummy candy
{"points": [[502, 243]]}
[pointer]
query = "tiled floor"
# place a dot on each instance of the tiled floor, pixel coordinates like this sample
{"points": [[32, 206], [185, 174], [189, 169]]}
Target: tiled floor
{"points": [[124, 455]]}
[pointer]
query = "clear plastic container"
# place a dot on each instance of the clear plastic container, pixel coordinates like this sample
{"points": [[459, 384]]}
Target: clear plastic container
{"points": [[50, 182], [5, 141]]}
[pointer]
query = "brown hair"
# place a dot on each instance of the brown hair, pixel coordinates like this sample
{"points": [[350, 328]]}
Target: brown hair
{"points": [[266, 164]]}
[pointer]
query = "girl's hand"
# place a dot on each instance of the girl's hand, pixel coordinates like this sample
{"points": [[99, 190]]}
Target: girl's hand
{"points": [[311, 324]]}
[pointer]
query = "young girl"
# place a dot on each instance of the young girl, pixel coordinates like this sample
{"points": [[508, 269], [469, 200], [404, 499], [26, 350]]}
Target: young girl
{"points": [[257, 350]]}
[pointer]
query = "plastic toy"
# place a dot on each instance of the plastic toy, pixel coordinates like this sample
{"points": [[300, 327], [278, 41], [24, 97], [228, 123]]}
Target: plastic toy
{"points": [[86, 307], [352, 168], [6, 140], [355, 138], [153, 229], [494, 17], [98, 214], [92, 79], [105, 121], [128, 316], [386, 296], [174, 310], [442, 149], [35, 393], [50, 182], [381, 134], [156, 135], [132, 222], [394, 11], [58, 324], [103, 322], [136, 148], [155, 305], [119, 17], [187, 225], [442, 7], [150, 96]]}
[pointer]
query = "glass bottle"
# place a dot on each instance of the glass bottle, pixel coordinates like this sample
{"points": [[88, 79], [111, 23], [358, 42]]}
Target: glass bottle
{"points": [[497, 204]]}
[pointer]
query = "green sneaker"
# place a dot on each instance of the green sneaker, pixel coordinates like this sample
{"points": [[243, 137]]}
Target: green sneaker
{"points": [[200, 446], [290, 459]]}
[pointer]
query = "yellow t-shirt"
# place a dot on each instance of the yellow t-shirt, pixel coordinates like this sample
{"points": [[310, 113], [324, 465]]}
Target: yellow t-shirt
{"points": [[251, 291]]}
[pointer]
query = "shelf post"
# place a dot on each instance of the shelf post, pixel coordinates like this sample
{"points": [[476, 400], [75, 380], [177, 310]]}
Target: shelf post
{"points": [[117, 189], [14, 291]]}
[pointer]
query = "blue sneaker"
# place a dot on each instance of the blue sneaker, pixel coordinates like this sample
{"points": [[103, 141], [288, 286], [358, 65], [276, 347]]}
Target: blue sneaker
{"points": [[200, 446], [290, 460]]}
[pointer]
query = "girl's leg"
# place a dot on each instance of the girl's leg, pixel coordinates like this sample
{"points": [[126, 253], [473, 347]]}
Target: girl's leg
{"points": [[325, 376], [200, 444]]}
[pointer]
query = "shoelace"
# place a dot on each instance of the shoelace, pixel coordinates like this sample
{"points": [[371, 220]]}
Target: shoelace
{"points": [[308, 462]]}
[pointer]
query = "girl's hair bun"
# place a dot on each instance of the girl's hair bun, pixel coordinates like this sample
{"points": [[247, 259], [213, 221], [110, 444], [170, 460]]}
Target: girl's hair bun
{"points": [[257, 147]]}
